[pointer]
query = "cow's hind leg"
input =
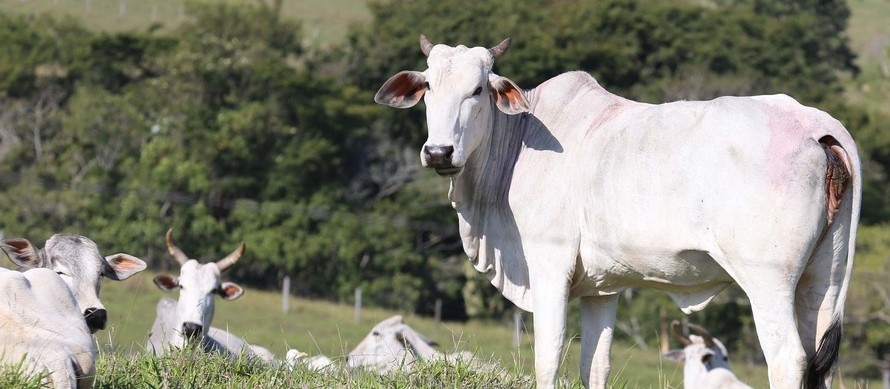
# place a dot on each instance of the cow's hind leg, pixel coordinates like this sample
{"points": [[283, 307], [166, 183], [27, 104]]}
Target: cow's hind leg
{"points": [[817, 294], [597, 327], [819, 289], [772, 303]]}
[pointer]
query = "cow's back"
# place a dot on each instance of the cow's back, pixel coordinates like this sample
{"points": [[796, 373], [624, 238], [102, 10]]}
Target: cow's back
{"points": [[661, 195]]}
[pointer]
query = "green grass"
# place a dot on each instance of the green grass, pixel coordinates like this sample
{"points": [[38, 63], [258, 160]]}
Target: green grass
{"points": [[320, 327]]}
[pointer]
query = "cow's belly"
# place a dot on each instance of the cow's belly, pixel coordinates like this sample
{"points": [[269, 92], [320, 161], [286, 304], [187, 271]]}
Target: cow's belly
{"points": [[691, 277]]}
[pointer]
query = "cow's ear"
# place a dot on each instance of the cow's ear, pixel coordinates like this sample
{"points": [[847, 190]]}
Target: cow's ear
{"points": [[23, 253], [166, 282], [675, 355], [121, 266], [402, 90], [230, 291], [507, 96]]}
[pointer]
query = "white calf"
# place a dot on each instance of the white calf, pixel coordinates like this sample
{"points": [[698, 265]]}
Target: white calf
{"points": [[706, 361]]}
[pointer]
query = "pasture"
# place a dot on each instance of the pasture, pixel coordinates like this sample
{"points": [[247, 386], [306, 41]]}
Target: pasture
{"points": [[318, 327]]}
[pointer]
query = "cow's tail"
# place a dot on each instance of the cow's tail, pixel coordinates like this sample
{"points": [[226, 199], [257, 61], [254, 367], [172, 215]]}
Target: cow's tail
{"points": [[822, 364]]}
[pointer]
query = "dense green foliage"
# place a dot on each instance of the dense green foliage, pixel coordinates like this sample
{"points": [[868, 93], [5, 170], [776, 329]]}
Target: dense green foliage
{"points": [[228, 129]]}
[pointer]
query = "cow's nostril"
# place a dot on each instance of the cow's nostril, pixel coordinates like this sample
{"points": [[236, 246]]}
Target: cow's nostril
{"points": [[96, 318], [192, 330]]}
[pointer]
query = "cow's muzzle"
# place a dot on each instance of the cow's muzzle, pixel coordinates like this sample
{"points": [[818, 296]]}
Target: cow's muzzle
{"points": [[192, 330], [96, 319], [439, 158]]}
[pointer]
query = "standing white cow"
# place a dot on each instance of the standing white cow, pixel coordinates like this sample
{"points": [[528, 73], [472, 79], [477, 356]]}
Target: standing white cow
{"points": [[77, 260], [43, 329], [568, 191], [188, 319]]}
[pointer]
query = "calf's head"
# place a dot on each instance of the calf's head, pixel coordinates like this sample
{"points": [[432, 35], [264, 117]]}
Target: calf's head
{"points": [[198, 284], [461, 92], [703, 348], [77, 261]]}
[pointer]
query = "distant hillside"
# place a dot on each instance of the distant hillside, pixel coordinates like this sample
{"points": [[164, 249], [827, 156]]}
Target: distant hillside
{"points": [[324, 21], [869, 32]]}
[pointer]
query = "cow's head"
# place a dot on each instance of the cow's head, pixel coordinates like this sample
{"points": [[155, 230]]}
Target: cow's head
{"points": [[703, 348], [198, 284], [390, 345], [77, 261], [461, 92]]}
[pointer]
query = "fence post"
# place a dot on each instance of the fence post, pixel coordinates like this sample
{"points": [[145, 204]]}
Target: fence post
{"points": [[517, 328], [122, 9], [663, 336], [437, 313], [285, 294], [358, 305]]}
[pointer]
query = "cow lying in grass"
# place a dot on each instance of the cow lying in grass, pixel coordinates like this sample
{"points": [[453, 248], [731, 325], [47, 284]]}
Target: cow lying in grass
{"points": [[76, 259], [179, 322], [391, 345], [52, 306], [706, 361], [43, 330]]}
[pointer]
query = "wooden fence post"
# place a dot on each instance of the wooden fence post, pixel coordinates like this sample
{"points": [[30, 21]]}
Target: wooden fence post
{"points": [[358, 305], [517, 328], [438, 311], [285, 294]]}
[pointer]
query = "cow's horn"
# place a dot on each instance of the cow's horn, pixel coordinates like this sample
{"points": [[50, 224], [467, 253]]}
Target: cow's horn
{"points": [[425, 45], [500, 49], [675, 328], [705, 334], [176, 252], [230, 259]]}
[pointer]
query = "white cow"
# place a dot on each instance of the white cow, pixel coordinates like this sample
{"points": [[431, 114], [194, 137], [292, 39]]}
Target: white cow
{"points": [[43, 329], [706, 361], [188, 319], [389, 346], [568, 191], [77, 260]]}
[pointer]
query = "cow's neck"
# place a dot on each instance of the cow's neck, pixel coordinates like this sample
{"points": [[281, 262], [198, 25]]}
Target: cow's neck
{"points": [[479, 194]]}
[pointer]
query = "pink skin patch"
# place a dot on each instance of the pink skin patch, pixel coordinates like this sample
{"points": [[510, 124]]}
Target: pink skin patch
{"points": [[788, 125]]}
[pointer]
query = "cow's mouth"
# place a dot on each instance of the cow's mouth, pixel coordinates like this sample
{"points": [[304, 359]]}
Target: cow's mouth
{"points": [[448, 171]]}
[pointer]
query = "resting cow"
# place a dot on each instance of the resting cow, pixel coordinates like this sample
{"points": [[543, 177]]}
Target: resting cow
{"points": [[705, 359], [393, 345], [568, 191], [43, 329], [76, 259], [179, 322]]}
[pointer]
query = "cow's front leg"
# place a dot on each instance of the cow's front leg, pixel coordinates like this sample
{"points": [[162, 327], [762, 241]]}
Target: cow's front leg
{"points": [[597, 327], [550, 298]]}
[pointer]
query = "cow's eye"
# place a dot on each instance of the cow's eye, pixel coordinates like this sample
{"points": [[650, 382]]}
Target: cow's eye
{"points": [[375, 333], [60, 273], [478, 91]]}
